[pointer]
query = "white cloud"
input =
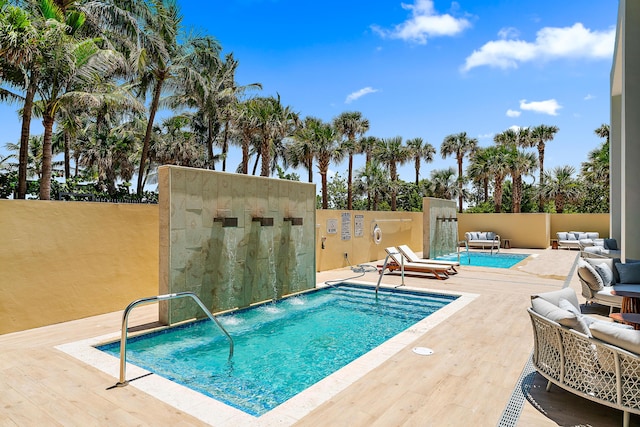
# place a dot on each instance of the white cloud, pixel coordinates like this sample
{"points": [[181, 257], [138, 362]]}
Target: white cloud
{"points": [[588, 97], [574, 42], [550, 106], [486, 136], [508, 33], [359, 94], [423, 23], [513, 113]]}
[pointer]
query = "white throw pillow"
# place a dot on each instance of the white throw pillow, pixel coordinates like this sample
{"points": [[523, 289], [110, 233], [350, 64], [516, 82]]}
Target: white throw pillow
{"points": [[589, 274]]}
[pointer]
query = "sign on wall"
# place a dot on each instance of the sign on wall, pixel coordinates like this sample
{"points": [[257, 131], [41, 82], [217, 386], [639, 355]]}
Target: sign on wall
{"points": [[358, 225], [345, 231], [332, 226]]}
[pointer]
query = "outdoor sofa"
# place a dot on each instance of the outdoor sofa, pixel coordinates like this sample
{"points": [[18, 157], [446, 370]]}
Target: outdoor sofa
{"points": [[482, 239], [571, 239], [600, 276], [595, 359], [600, 247]]}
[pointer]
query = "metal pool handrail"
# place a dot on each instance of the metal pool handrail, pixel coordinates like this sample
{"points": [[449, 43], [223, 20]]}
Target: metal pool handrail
{"points": [[466, 246], [125, 320], [384, 267]]}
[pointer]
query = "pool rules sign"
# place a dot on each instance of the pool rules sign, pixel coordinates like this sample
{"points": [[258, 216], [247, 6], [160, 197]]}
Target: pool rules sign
{"points": [[345, 230]]}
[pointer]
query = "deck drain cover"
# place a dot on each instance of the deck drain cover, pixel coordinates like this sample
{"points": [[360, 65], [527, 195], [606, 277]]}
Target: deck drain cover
{"points": [[423, 351]]}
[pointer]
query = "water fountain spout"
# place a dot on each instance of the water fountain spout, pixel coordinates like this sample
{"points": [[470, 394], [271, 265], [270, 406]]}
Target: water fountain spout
{"points": [[294, 221], [264, 222], [226, 221]]}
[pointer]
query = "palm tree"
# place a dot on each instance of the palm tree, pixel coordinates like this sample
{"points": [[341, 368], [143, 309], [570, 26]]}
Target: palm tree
{"points": [[442, 183], [274, 122], [162, 61], [68, 65], [420, 150], [245, 130], [301, 150], [604, 131], [498, 168], [480, 170], [520, 163], [372, 180], [327, 149], [177, 145], [21, 44], [561, 187], [459, 145], [214, 95], [539, 136], [390, 151], [350, 124], [596, 169], [109, 153]]}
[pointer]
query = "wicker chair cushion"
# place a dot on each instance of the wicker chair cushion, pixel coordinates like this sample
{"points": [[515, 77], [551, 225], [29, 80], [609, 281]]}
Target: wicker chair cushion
{"points": [[627, 339], [559, 315]]}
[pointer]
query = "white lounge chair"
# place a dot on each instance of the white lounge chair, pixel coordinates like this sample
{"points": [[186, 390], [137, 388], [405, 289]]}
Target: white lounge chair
{"points": [[397, 263], [413, 257]]}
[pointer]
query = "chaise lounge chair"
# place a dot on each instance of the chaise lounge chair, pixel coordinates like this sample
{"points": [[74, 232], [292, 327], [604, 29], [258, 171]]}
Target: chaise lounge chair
{"points": [[411, 256], [439, 271]]}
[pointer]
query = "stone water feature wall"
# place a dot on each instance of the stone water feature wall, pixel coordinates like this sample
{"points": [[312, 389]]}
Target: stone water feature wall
{"points": [[440, 227], [232, 239]]}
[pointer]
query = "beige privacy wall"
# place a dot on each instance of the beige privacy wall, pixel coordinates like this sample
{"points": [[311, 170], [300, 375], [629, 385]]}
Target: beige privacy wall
{"points": [[232, 239], [351, 233], [61, 261]]}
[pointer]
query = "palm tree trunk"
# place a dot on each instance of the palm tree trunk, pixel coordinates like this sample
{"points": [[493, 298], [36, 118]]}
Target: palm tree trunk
{"points": [[147, 136], [417, 162], [497, 195], [349, 190], [225, 146], [310, 168], [394, 177], [23, 158], [211, 164], [67, 156], [45, 180], [266, 157], [541, 182], [255, 165], [460, 184], [325, 198], [245, 157], [485, 187]]}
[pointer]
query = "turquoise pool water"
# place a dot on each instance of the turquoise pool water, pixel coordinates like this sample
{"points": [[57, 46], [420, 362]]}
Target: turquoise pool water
{"points": [[486, 259], [281, 348]]}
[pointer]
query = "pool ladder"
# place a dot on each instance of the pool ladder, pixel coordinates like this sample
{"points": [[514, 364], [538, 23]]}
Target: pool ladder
{"points": [[125, 320]]}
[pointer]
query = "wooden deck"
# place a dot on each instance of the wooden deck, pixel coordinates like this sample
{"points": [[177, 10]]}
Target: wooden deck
{"points": [[480, 354]]}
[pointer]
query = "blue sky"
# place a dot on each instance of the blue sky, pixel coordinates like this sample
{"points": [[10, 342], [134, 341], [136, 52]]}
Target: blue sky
{"points": [[423, 68]]}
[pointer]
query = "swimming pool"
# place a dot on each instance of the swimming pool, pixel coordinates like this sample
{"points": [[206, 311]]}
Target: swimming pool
{"points": [[282, 348], [486, 259]]}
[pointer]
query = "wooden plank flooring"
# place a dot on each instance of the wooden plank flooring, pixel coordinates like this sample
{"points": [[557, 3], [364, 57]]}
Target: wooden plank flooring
{"points": [[480, 352]]}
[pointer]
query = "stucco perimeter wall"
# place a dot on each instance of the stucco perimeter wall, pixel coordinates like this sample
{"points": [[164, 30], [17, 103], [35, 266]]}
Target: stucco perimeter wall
{"points": [[69, 260], [580, 222], [524, 230], [351, 232], [532, 230]]}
